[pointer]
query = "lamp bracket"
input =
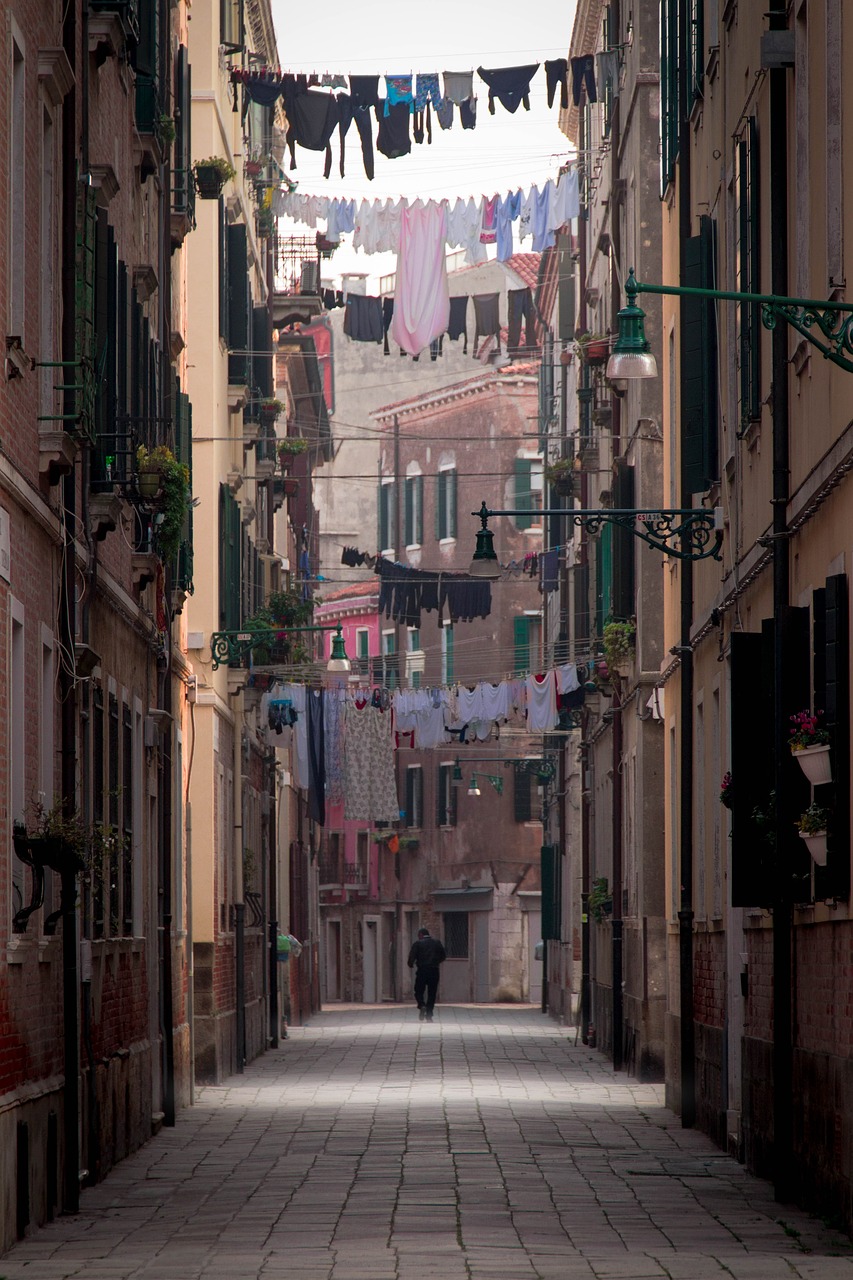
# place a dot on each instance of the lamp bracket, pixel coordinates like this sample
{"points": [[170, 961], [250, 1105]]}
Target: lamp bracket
{"points": [[685, 533]]}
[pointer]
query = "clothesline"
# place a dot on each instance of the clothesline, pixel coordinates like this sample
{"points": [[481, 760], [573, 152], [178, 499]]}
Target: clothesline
{"points": [[470, 224]]}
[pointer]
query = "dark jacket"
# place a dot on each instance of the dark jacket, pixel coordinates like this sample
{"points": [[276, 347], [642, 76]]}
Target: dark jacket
{"points": [[427, 953]]}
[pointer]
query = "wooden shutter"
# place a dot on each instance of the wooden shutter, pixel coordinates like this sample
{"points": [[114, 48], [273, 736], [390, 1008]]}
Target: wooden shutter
{"points": [[550, 874], [181, 178], [523, 496], [748, 273], [751, 725], [409, 511], [452, 478], [441, 505], [223, 271], [419, 509], [521, 644], [832, 696], [262, 376], [238, 304], [410, 798], [698, 365], [624, 543], [522, 807]]}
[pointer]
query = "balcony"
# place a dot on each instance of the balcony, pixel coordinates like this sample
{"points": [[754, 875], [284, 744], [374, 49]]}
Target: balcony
{"points": [[297, 281], [355, 876]]}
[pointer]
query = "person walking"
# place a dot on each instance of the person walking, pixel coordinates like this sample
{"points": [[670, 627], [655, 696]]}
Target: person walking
{"points": [[427, 954]]}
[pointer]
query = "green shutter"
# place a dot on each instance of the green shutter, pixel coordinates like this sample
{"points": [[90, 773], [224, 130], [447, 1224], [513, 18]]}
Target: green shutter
{"points": [[419, 509], [223, 270], [523, 496], [448, 650], [748, 274], [521, 643], [698, 365], [452, 477], [624, 544], [440, 504], [549, 870], [409, 511], [522, 808], [440, 792], [238, 304]]}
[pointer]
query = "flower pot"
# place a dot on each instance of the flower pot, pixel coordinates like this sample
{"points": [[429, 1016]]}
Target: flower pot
{"points": [[596, 352], [815, 763], [291, 487], [816, 845], [149, 484], [208, 182]]}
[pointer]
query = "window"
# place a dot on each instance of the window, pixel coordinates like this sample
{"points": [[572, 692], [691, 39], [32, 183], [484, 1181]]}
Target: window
{"points": [[445, 503], [747, 271], [390, 668], [362, 651], [415, 796], [523, 794], [231, 24], [446, 797], [456, 935], [239, 304], [47, 266], [17, 210], [230, 547], [695, 47], [361, 857], [669, 107], [529, 482], [98, 873], [414, 639], [385, 509], [46, 744], [413, 511], [527, 643], [17, 779], [447, 654], [699, 435], [126, 852]]}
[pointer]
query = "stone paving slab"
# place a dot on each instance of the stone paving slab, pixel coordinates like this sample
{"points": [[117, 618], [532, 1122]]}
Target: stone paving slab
{"points": [[370, 1146]]}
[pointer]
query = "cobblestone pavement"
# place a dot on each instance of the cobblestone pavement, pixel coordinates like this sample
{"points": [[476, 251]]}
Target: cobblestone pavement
{"points": [[482, 1146]]}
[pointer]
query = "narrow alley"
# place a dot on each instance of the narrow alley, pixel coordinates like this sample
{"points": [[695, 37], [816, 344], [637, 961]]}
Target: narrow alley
{"points": [[374, 1147]]}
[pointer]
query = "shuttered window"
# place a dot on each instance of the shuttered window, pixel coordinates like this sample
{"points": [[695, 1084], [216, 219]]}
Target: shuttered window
{"points": [[445, 797], [414, 797], [699, 435], [413, 511], [832, 696], [748, 271], [447, 672], [456, 934], [550, 865], [445, 503], [523, 493], [182, 187], [239, 305], [230, 530], [669, 106], [385, 508], [522, 795], [624, 543]]}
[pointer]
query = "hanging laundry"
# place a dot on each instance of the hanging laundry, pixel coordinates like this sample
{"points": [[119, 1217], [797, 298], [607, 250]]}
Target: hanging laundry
{"points": [[360, 116], [607, 71], [398, 89], [427, 89], [458, 86], [444, 113], [466, 598], [567, 678], [297, 694], [509, 209], [487, 320], [312, 118], [520, 307], [542, 714], [510, 85], [393, 137], [363, 318], [387, 317], [328, 81], [464, 221], [556, 76], [468, 114], [565, 203], [422, 301], [341, 218], [457, 325], [583, 75], [371, 785], [364, 91], [489, 220]]}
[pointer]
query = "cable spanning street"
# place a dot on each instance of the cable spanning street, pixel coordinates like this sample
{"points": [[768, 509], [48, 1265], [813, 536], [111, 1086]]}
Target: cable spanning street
{"points": [[371, 1146]]}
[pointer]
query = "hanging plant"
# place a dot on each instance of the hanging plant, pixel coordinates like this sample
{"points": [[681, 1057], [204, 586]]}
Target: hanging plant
{"points": [[809, 742], [211, 175], [594, 348], [620, 639], [727, 791], [560, 474], [600, 900], [812, 825], [270, 409], [283, 612], [171, 495]]}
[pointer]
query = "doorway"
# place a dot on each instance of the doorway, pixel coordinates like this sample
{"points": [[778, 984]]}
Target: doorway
{"points": [[370, 958], [333, 960]]}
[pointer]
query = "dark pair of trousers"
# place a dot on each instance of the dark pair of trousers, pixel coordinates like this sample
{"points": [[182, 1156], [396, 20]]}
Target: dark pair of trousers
{"points": [[520, 307], [426, 988], [583, 73]]}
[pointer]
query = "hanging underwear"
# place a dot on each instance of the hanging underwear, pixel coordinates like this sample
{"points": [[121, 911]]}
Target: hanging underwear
{"points": [[398, 89], [459, 85], [393, 138], [510, 85]]}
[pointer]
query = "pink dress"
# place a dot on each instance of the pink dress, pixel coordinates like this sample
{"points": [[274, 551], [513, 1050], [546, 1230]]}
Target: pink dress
{"points": [[421, 298]]}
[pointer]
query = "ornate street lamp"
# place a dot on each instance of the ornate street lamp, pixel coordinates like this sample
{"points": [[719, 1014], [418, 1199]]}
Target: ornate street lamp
{"points": [[233, 646]]}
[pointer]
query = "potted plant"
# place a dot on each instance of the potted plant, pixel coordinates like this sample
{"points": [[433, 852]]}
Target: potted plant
{"points": [[619, 645], [600, 900], [812, 827], [809, 743], [211, 175], [166, 130], [254, 165], [289, 448], [160, 470], [283, 612], [594, 348], [269, 409], [561, 476], [727, 791], [290, 486]]}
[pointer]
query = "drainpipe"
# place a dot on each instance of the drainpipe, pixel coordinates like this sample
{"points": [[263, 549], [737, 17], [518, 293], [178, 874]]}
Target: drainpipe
{"points": [[67, 690], [783, 987], [272, 891], [616, 918], [239, 904], [685, 913]]}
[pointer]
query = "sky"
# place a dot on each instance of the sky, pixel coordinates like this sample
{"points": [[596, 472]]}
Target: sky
{"points": [[503, 153]]}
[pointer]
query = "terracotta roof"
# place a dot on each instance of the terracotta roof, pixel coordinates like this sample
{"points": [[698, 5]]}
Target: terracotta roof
{"points": [[345, 593], [526, 267]]}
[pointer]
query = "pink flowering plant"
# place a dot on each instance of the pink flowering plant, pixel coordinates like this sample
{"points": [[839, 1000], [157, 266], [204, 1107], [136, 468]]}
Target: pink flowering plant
{"points": [[806, 731], [727, 792]]}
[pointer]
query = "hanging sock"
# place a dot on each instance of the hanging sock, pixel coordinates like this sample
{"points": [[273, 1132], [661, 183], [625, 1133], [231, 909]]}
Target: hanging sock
{"points": [[607, 70], [510, 85]]}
